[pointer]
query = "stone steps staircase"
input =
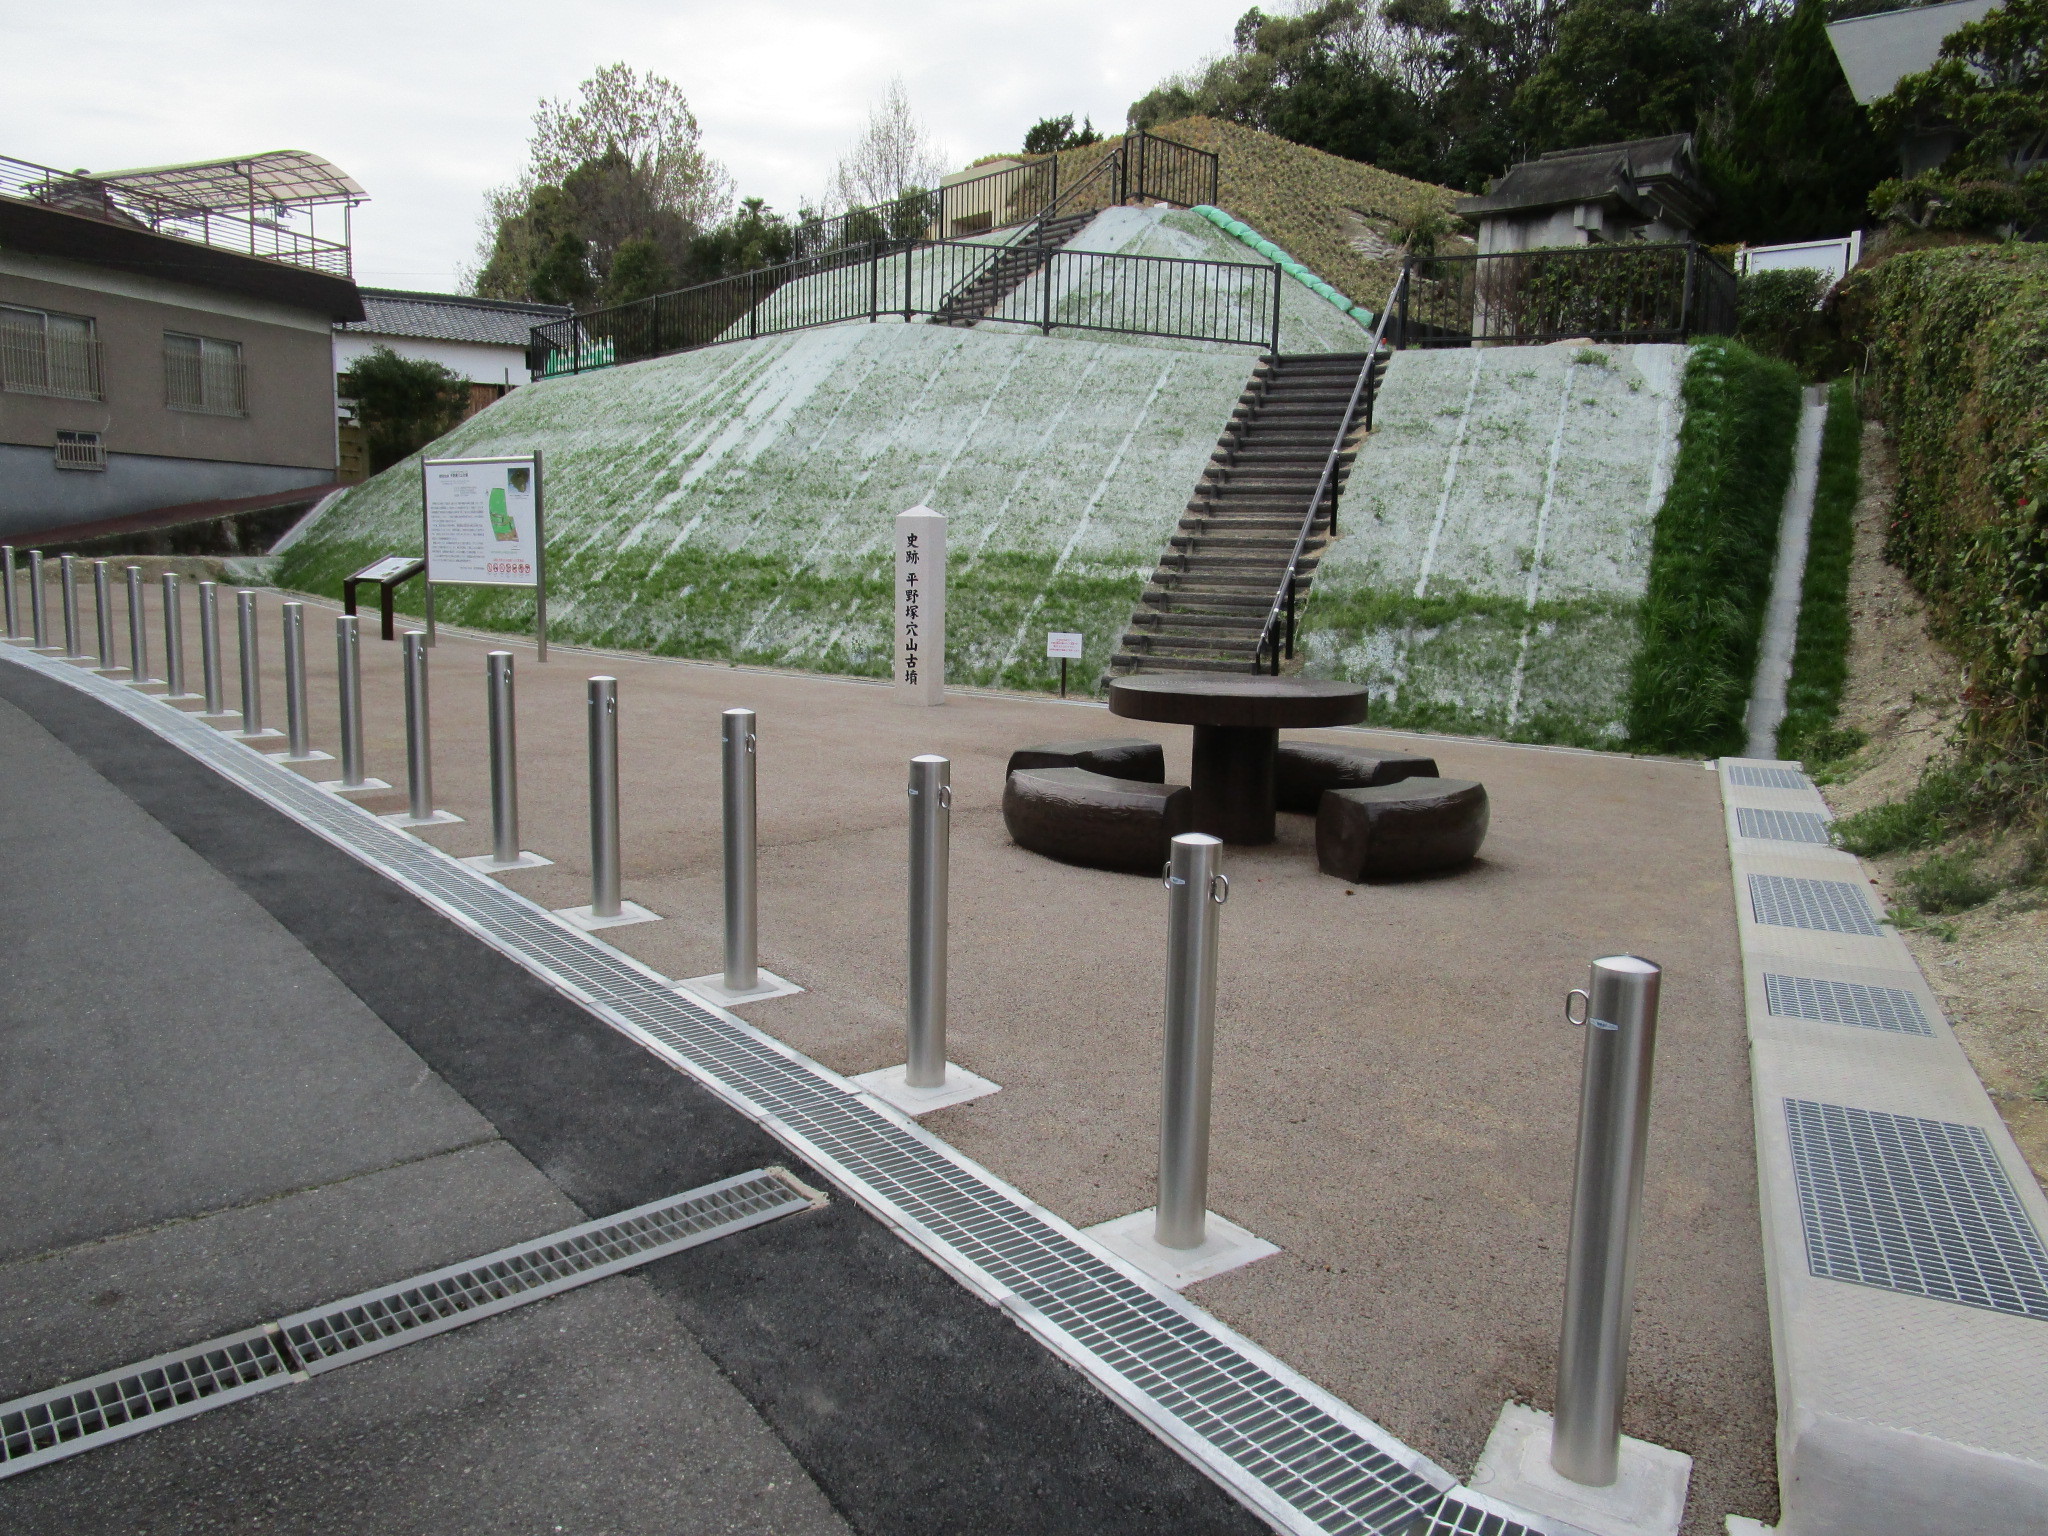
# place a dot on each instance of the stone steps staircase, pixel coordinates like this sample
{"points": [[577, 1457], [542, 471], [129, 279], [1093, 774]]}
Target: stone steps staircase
{"points": [[1206, 605], [1009, 268]]}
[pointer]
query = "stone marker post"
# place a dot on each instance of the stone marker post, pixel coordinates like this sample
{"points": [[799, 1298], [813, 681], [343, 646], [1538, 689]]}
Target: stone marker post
{"points": [[920, 600]]}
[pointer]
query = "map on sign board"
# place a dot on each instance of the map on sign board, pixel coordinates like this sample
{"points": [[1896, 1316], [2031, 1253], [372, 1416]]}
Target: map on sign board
{"points": [[390, 568], [482, 524], [1062, 646]]}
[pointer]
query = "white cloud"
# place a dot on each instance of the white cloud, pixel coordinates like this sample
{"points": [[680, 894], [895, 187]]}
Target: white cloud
{"points": [[428, 104]]}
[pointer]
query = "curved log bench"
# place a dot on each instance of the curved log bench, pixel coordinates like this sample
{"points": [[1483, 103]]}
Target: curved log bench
{"points": [[1302, 770], [1120, 757], [1087, 818], [1407, 828]]}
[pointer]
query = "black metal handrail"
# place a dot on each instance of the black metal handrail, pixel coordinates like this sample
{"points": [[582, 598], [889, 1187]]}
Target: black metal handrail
{"points": [[1233, 302], [1326, 484], [1618, 294]]}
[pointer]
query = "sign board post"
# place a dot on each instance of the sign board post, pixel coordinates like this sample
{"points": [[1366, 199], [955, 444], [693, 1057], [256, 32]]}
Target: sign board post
{"points": [[920, 607], [485, 528], [1063, 646]]}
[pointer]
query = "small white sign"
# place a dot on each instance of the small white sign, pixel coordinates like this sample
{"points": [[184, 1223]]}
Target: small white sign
{"points": [[1061, 646], [920, 602], [483, 525]]}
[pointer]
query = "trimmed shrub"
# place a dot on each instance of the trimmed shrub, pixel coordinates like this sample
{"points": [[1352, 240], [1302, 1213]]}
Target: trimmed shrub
{"points": [[1711, 553]]}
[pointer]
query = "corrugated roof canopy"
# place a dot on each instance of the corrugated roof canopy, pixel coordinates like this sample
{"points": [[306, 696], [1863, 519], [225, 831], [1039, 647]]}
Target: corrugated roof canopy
{"points": [[291, 176]]}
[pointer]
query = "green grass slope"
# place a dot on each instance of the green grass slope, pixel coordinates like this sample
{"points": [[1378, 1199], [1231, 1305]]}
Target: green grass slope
{"points": [[735, 503]]}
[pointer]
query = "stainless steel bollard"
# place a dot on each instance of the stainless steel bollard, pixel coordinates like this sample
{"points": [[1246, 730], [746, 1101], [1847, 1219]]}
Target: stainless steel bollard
{"points": [[931, 823], [7, 572], [103, 615], [1607, 1192], [209, 646], [138, 628], [38, 602], [348, 659], [252, 663], [67, 572], [298, 738], [737, 744], [1195, 890], [174, 639], [419, 746], [504, 758], [604, 797]]}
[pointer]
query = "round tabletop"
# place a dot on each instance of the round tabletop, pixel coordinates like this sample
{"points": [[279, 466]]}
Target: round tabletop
{"points": [[1237, 699]]}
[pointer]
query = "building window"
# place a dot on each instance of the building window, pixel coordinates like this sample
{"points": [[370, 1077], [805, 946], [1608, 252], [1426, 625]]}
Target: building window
{"points": [[203, 374], [80, 450], [48, 354]]}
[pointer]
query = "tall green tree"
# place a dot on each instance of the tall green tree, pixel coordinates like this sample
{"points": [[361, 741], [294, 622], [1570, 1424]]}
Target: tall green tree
{"points": [[1990, 83], [1787, 151], [1624, 69]]}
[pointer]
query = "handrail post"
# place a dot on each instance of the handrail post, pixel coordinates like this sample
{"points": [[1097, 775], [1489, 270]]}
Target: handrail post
{"points": [[906, 285], [1275, 348]]}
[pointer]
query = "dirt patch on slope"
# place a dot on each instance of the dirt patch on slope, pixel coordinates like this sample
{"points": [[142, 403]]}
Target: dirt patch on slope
{"points": [[1984, 965]]}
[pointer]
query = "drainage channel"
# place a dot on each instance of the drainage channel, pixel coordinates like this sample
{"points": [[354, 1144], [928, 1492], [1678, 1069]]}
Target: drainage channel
{"points": [[84, 1415], [1290, 1451]]}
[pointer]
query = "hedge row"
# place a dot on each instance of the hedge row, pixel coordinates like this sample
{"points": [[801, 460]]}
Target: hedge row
{"points": [[1711, 553], [1957, 343]]}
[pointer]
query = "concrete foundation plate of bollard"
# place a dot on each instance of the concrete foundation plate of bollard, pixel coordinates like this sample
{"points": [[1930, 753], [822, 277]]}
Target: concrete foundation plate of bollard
{"points": [[1225, 1246], [590, 922], [712, 989], [491, 864], [339, 787], [407, 819], [1647, 1499], [959, 1087]]}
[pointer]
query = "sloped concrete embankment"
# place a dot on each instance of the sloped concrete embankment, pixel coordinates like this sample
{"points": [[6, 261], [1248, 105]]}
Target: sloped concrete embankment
{"points": [[1494, 543], [734, 503]]}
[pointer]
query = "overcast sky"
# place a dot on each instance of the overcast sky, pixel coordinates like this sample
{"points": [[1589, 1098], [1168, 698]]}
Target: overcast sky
{"points": [[428, 103]]}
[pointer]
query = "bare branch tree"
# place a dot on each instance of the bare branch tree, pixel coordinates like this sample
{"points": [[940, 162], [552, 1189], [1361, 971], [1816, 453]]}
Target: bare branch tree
{"points": [[892, 156]]}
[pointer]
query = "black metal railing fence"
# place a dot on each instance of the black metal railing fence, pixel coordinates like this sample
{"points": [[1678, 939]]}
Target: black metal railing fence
{"points": [[1237, 303], [1605, 293]]}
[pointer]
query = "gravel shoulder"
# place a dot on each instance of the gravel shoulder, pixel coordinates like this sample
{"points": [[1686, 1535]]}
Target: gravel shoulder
{"points": [[1903, 692]]}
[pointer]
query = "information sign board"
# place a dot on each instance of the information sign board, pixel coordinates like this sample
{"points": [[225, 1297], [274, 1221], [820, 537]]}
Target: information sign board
{"points": [[1062, 646], [485, 528]]}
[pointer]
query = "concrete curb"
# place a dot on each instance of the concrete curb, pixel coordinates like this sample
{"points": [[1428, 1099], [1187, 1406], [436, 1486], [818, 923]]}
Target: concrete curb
{"points": [[1898, 1414]]}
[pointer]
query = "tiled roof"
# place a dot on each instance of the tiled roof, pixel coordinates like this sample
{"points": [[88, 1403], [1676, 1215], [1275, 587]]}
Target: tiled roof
{"points": [[451, 317]]}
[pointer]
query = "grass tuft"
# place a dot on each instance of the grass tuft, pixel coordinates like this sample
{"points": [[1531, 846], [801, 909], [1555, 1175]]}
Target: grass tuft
{"points": [[1711, 554], [1932, 809]]}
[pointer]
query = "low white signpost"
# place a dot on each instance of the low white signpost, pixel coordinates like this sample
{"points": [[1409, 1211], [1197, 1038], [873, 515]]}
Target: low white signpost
{"points": [[1063, 646], [485, 529], [920, 607]]}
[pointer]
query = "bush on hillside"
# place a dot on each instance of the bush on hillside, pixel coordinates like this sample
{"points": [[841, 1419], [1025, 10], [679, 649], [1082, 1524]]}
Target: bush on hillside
{"points": [[1712, 550], [1778, 313], [1958, 346], [403, 403]]}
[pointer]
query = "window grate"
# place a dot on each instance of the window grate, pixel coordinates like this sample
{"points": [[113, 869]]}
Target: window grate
{"points": [[44, 353], [1783, 826], [1284, 1447], [1846, 1002], [1745, 777], [80, 450], [1920, 1206], [1832, 906], [205, 374]]}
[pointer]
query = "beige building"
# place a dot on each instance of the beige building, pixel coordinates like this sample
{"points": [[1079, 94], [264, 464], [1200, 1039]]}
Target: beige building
{"points": [[166, 336]]}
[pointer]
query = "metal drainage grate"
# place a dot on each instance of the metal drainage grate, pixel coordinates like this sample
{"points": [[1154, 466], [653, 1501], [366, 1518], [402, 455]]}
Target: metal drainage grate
{"points": [[1783, 826], [1846, 1002], [1766, 778], [1833, 906], [1283, 1445], [1462, 1516], [82, 1415], [1920, 1206], [325, 1337]]}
